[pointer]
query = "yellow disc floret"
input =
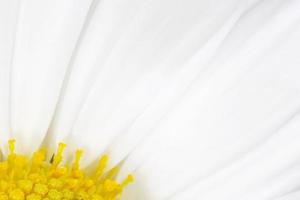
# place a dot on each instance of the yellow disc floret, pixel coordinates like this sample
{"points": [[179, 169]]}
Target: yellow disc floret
{"points": [[35, 178]]}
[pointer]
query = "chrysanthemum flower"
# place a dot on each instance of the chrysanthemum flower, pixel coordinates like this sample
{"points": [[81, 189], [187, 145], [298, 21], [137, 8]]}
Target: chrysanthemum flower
{"points": [[197, 99]]}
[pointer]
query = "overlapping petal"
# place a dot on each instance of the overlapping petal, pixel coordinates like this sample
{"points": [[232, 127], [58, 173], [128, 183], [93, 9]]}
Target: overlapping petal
{"points": [[198, 98], [46, 35]]}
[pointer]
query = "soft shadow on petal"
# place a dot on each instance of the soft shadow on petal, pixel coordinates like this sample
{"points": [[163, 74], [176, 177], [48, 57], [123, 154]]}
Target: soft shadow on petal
{"points": [[137, 190], [294, 195]]}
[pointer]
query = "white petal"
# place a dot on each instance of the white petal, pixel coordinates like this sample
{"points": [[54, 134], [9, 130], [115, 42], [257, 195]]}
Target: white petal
{"points": [[290, 196], [8, 19], [46, 36], [234, 132], [106, 24], [149, 46]]}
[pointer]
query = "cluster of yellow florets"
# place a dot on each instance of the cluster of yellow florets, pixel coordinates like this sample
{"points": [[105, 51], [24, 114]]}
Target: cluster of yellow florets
{"points": [[23, 178]]}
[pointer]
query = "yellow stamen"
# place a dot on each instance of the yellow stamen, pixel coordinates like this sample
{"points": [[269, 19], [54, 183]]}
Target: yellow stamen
{"points": [[35, 178], [58, 157]]}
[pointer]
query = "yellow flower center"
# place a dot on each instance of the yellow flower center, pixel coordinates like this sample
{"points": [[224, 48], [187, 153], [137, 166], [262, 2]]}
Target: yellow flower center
{"points": [[24, 178]]}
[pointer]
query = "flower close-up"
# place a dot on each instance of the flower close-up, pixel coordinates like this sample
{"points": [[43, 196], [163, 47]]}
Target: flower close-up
{"points": [[149, 99]]}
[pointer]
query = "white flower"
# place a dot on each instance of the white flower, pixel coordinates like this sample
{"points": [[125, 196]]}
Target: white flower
{"points": [[199, 99]]}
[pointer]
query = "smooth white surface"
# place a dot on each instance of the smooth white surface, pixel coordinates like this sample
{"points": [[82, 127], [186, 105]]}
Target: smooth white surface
{"points": [[47, 32], [8, 20], [198, 98]]}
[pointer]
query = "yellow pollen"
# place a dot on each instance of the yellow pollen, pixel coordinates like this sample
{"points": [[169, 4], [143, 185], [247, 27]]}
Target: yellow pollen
{"points": [[35, 178]]}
